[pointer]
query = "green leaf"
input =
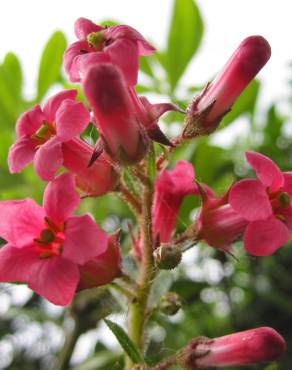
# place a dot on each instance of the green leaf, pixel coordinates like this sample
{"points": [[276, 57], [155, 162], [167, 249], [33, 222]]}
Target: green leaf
{"points": [[125, 342], [184, 38], [244, 104], [12, 68], [51, 62]]}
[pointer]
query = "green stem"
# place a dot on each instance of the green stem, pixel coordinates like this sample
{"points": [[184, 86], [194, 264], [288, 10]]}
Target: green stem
{"points": [[138, 306], [63, 360]]}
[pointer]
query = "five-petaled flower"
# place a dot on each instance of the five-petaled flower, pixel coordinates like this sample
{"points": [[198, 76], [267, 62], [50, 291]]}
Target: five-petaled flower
{"points": [[121, 45], [265, 204], [47, 246], [41, 133]]}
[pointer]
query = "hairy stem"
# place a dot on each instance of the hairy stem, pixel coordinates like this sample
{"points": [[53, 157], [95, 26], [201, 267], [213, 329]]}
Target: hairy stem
{"points": [[138, 306], [130, 199], [165, 364]]}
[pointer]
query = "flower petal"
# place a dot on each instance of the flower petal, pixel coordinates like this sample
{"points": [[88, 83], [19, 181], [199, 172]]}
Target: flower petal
{"points": [[262, 238], [55, 101], [48, 159], [285, 214], [55, 279], [61, 198], [267, 171], [30, 121], [73, 51], [124, 54], [287, 182], [21, 221], [84, 61], [123, 31], [83, 27], [84, 239], [21, 153], [71, 119], [249, 198], [16, 263]]}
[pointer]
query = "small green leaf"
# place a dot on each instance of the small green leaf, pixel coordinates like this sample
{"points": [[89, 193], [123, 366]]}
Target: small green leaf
{"points": [[51, 62], [244, 104], [125, 342], [184, 38], [109, 23]]}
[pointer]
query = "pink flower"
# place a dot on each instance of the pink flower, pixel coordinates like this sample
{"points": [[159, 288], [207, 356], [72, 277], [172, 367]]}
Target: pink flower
{"points": [[41, 133], [244, 348], [104, 268], [47, 246], [120, 45], [124, 138], [218, 224], [206, 111], [100, 178], [265, 204], [170, 189]]}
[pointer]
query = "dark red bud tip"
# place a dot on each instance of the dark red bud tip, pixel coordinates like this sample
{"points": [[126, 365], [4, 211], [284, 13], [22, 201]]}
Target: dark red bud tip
{"points": [[105, 89], [253, 54], [268, 344]]}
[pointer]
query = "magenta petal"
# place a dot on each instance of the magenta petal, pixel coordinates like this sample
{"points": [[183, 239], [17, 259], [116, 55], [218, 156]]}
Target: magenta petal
{"points": [[61, 198], [70, 55], [285, 214], [124, 54], [55, 279], [287, 182], [21, 221], [84, 61], [267, 171], [21, 153], [30, 121], [16, 263], [48, 159], [71, 119], [83, 27], [262, 238], [249, 198], [84, 239], [55, 101], [123, 31]]}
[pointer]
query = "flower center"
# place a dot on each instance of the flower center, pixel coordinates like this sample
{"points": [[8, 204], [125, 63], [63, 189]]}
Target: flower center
{"points": [[51, 239], [280, 199], [96, 40], [44, 133]]}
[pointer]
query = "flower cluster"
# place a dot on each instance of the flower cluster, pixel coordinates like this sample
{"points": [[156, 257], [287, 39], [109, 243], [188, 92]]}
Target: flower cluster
{"points": [[58, 254]]}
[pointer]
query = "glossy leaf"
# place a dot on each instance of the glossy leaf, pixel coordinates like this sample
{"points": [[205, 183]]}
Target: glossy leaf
{"points": [[12, 68], [184, 38], [51, 63]]}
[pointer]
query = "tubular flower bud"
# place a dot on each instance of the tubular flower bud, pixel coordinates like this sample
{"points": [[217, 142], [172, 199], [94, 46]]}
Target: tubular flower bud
{"points": [[243, 348], [206, 111], [100, 178], [124, 138]]}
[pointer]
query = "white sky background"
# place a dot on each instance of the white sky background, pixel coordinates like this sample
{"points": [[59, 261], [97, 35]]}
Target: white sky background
{"points": [[26, 25]]}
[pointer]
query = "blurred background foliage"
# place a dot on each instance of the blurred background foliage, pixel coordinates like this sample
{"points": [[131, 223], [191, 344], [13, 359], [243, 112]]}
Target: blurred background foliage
{"points": [[220, 294]]}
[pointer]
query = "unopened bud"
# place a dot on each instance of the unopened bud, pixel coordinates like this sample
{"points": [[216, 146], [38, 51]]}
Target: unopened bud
{"points": [[170, 304], [167, 256], [244, 348], [207, 110]]}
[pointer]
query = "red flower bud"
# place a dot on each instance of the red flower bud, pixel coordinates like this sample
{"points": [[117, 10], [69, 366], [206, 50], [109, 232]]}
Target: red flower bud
{"points": [[244, 348], [206, 111]]}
